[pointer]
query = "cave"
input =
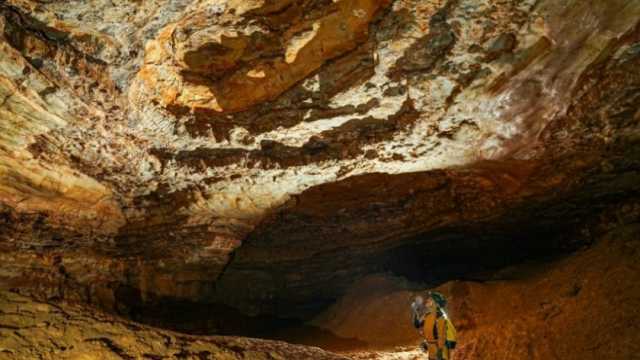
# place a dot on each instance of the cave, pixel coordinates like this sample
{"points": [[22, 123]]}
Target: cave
{"points": [[281, 179]]}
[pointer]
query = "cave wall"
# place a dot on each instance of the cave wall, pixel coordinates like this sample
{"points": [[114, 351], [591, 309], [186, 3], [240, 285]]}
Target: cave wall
{"points": [[580, 306], [40, 330], [266, 154]]}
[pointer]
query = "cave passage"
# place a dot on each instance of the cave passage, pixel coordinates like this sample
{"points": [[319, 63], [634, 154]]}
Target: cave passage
{"points": [[300, 170], [425, 261], [476, 255]]}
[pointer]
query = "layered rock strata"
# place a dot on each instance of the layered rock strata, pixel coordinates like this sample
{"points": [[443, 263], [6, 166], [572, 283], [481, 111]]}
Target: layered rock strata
{"points": [[36, 330], [266, 154]]}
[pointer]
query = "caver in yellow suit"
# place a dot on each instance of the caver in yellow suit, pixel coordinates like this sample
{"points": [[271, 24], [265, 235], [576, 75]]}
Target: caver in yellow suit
{"points": [[435, 334], [434, 324]]}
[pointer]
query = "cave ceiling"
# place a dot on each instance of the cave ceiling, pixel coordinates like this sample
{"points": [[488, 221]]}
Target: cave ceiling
{"points": [[185, 148]]}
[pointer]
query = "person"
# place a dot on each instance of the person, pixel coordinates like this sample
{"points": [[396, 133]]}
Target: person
{"points": [[434, 325]]}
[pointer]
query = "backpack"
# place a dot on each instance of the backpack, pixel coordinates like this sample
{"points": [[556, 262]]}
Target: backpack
{"points": [[450, 340]]}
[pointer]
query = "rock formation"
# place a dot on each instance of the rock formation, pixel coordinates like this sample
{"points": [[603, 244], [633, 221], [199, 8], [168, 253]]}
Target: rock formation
{"points": [[34, 330], [258, 157], [580, 307]]}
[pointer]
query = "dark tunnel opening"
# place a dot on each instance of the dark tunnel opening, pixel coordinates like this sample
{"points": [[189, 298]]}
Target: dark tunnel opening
{"points": [[476, 254]]}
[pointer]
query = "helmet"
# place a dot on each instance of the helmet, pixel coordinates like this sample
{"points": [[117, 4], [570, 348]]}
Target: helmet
{"points": [[438, 298]]}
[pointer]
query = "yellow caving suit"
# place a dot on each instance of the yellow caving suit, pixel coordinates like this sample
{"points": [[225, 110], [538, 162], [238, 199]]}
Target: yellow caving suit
{"points": [[435, 332]]}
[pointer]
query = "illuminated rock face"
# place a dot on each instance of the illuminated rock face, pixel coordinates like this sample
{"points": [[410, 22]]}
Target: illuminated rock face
{"points": [[266, 153]]}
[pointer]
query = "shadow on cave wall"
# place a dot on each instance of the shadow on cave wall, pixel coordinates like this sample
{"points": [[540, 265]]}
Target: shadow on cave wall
{"points": [[199, 318]]}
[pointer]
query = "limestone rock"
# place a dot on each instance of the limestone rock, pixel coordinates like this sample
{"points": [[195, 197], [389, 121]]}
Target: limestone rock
{"points": [[35, 330], [265, 154], [580, 307]]}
